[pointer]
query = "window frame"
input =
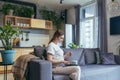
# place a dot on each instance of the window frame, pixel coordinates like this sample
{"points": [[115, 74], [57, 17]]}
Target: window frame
{"points": [[83, 18]]}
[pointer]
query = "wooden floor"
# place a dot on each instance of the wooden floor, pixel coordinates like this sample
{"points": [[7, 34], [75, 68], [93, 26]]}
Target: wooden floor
{"points": [[9, 76]]}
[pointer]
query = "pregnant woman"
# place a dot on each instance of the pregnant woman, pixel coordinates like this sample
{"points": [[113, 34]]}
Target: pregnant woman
{"points": [[56, 55]]}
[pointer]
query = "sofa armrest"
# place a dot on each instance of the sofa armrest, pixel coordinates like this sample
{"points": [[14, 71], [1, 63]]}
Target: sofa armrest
{"points": [[117, 59], [39, 69]]}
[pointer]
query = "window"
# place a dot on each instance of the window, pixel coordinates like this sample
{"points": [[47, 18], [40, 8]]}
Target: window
{"points": [[88, 26]]}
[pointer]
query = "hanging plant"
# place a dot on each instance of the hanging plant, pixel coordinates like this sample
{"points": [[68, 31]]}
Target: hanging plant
{"points": [[52, 16]]}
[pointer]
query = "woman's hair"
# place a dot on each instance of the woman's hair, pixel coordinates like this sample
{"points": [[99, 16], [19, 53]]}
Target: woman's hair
{"points": [[57, 34]]}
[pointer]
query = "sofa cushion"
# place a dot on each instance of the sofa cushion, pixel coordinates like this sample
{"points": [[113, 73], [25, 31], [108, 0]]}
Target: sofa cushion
{"points": [[90, 56], [97, 56], [77, 54], [117, 59], [40, 52], [107, 58], [100, 72]]}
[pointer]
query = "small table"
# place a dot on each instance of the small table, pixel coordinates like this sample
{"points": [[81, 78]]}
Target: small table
{"points": [[5, 69]]}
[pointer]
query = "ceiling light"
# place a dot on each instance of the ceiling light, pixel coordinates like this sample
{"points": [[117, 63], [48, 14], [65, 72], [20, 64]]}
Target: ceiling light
{"points": [[61, 1]]}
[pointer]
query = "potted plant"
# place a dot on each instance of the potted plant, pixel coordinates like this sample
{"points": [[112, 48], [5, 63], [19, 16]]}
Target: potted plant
{"points": [[53, 16], [7, 33], [73, 45], [7, 9], [17, 10], [25, 12]]}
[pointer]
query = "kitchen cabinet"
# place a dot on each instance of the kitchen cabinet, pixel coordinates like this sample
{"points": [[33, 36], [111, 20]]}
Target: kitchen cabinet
{"points": [[48, 24], [36, 23], [19, 52], [23, 22], [26, 50], [43, 24]]}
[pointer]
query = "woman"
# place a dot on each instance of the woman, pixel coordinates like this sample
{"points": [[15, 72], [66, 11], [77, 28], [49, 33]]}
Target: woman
{"points": [[56, 55]]}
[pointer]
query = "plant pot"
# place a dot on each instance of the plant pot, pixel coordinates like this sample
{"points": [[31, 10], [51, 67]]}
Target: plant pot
{"points": [[11, 12], [32, 16], [7, 56]]}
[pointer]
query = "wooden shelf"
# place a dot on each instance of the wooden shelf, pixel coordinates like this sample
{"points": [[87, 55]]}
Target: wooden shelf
{"points": [[10, 19], [37, 23], [48, 24], [23, 22]]}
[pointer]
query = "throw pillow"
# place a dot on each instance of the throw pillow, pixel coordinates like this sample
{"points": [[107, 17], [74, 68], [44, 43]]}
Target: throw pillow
{"points": [[107, 58], [117, 59], [77, 54], [90, 56], [40, 52], [97, 56]]}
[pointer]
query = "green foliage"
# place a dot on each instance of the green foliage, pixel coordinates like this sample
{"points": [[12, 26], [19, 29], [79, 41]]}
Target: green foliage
{"points": [[6, 8], [73, 45], [52, 16], [24, 11], [7, 33], [19, 10]]}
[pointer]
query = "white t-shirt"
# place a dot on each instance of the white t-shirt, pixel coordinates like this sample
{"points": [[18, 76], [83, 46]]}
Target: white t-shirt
{"points": [[56, 51]]}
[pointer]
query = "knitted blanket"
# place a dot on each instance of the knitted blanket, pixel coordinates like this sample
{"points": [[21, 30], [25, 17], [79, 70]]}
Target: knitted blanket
{"points": [[20, 66]]}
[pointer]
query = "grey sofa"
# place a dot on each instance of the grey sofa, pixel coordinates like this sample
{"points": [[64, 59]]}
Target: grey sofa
{"points": [[88, 59]]}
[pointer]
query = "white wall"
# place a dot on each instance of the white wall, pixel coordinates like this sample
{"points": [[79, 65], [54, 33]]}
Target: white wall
{"points": [[113, 40], [35, 39]]}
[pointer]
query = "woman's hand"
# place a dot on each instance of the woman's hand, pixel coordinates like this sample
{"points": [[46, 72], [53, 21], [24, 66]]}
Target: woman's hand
{"points": [[68, 54], [66, 62]]}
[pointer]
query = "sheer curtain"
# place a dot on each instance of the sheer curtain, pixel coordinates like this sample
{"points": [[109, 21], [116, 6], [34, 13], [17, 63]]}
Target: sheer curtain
{"points": [[102, 25]]}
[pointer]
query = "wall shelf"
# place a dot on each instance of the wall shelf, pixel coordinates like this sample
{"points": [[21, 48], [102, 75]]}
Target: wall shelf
{"points": [[22, 22]]}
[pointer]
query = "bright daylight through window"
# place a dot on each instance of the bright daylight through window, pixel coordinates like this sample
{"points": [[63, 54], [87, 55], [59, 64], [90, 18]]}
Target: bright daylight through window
{"points": [[88, 26]]}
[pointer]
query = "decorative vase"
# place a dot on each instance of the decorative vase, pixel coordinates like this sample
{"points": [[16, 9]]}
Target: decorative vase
{"points": [[8, 56], [32, 16], [11, 12]]}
